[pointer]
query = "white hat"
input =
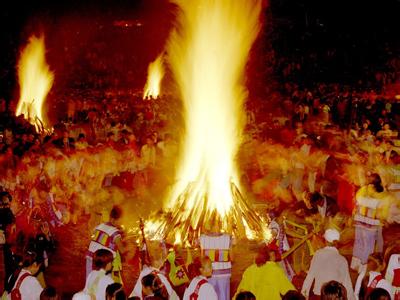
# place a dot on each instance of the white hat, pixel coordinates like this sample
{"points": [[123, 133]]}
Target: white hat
{"points": [[331, 235]]}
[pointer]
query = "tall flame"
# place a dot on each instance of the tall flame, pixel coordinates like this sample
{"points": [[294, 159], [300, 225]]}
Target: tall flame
{"points": [[207, 53], [35, 81], [155, 74]]}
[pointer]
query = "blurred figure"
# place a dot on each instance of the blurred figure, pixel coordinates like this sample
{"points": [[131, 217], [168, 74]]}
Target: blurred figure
{"points": [[7, 228], [371, 209]]}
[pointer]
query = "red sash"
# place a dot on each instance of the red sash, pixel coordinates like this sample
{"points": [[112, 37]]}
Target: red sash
{"points": [[374, 283], [195, 294], [15, 293], [396, 277]]}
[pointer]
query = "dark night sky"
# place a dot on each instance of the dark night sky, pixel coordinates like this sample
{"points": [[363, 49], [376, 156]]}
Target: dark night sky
{"points": [[362, 27]]}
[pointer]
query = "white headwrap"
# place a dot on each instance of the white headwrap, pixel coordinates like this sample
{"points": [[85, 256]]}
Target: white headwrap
{"points": [[331, 235]]}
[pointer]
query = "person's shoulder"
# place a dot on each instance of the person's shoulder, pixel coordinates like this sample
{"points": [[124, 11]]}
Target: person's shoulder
{"points": [[107, 280], [31, 282]]}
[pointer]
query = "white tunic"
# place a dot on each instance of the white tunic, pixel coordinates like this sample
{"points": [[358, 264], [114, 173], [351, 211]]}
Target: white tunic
{"points": [[206, 291], [103, 282], [30, 287], [326, 265], [383, 284]]}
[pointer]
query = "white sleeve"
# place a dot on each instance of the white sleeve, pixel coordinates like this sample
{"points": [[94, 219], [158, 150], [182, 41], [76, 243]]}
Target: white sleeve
{"points": [[170, 290], [347, 280], [305, 290], [137, 290], [186, 295], [102, 287], [358, 284]]}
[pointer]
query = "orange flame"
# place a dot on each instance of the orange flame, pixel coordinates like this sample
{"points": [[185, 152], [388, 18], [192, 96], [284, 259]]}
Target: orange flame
{"points": [[155, 74], [35, 81], [207, 54]]}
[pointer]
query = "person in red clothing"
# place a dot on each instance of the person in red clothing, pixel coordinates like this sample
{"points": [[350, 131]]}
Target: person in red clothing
{"points": [[287, 134], [346, 194]]}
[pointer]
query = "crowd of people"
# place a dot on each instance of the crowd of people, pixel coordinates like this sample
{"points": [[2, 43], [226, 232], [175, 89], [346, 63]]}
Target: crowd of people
{"points": [[323, 165]]}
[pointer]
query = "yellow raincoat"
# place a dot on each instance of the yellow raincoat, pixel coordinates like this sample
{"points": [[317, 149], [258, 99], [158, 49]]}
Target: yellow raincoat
{"points": [[267, 282]]}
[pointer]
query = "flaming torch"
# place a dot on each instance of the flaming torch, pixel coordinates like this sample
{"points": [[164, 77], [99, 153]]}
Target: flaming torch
{"points": [[207, 53], [35, 81], [155, 74]]}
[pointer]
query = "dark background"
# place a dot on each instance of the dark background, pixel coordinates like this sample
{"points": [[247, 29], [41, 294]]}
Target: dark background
{"points": [[358, 34]]}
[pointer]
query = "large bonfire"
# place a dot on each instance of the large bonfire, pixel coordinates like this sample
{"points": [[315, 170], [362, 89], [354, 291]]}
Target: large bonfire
{"points": [[155, 74], [207, 54], [35, 81]]}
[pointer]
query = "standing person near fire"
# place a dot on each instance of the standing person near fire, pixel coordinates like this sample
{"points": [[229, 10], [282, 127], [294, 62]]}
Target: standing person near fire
{"points": [[217, 246], [265, 278], [108, 236], [199, 288], [326, 265], [371, 210]]}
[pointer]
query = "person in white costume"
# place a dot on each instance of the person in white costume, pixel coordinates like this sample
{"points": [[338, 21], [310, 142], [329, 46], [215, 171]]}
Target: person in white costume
{"points": [[199, 288]]}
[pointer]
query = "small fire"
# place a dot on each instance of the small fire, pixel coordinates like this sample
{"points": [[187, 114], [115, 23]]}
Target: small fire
{"points": [[35, 81], [207, 54], [155, 74], [178, 238]]}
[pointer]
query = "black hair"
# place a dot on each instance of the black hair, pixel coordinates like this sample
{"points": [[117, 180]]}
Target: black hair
{"points": [[116, 291], [293, 295], [5, 194], [102, 258], [49, 293], [333, 290], [379, 294], [245, 296], [154, 282], [377, 182], [31, 257], [116, 212]]}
